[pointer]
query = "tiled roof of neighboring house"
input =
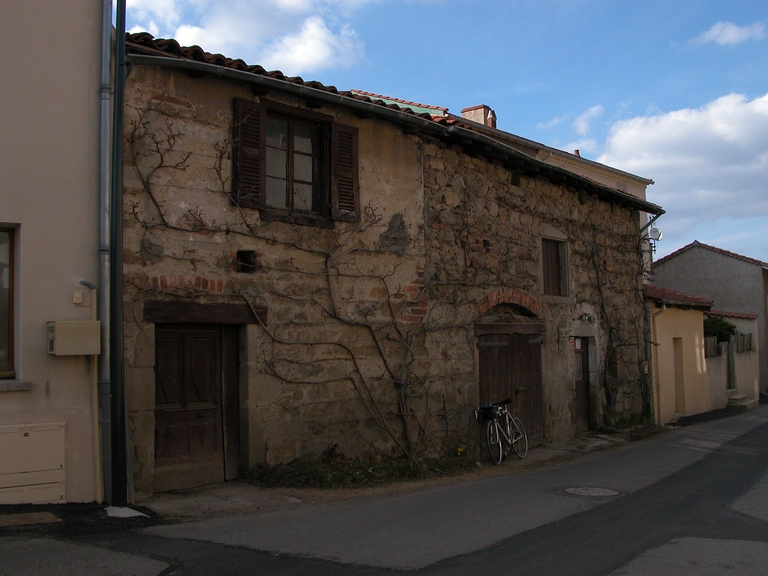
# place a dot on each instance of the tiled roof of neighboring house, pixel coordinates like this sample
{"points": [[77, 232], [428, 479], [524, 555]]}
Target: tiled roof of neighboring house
{"points": [[738, 315], [697, 244], [415, 106], [143, 48], [675, 298], [542, 150]]}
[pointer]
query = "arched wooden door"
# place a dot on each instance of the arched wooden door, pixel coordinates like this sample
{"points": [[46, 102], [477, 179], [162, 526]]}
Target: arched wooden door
{"points": [[510, 367]]}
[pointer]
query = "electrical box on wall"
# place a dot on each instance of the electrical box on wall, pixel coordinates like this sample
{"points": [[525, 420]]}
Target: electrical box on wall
{"points": [[74, 337]]}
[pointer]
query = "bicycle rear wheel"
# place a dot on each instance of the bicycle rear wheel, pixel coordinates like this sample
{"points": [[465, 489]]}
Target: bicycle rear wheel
{"points": [[494, 442], [519, 438]]}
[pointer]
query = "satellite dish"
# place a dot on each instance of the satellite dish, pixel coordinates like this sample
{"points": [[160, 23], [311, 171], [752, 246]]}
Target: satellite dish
{"points": [[655, 234]]}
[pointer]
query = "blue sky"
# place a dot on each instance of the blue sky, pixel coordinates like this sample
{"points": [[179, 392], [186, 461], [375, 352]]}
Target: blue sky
{"points": [[672, 90]]}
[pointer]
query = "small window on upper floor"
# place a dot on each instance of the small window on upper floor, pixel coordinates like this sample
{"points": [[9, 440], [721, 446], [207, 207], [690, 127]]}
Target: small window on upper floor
{"points": [[6, 303], [554, 270], [294, 165]]}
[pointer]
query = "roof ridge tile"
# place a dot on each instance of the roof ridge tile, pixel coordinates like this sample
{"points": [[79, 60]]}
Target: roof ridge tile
{"points": [[716, 250]]}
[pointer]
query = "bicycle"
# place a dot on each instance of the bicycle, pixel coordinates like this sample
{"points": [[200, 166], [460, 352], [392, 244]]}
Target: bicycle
{"points": [[510, 429]]}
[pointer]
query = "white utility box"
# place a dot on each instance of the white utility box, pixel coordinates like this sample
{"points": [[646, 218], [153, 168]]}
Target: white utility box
{"points": [[32, 463], [74, 337]]}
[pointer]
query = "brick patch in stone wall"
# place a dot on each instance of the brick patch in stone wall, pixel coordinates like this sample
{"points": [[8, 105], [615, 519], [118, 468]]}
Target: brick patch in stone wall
{"points": [[199, 282], [415, 299]]}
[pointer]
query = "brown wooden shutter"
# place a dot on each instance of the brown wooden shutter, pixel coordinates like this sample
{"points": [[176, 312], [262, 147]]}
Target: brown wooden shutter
{"points": [[249, 136], [345, 195], [550, 253]]}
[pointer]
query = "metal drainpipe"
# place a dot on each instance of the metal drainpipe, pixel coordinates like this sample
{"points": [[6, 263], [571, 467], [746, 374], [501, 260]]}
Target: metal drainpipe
{"points": [[119, 425], [656, 359], [105, 150], [98, 482]]}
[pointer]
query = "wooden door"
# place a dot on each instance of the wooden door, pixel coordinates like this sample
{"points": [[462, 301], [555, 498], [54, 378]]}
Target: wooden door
{"points": [[581, 367], [510, 367], [194, 436]]}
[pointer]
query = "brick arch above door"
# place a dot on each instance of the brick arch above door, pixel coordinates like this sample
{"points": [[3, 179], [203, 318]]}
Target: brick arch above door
{"points": [[507, 295]]}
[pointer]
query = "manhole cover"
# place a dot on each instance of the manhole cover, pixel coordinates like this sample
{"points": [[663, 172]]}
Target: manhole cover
{"points": [[591, 491]]}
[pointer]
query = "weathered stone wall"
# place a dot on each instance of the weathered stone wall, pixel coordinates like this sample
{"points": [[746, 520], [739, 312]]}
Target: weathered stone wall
{"points": [[484, 225], [369, 340], [329, 365]]}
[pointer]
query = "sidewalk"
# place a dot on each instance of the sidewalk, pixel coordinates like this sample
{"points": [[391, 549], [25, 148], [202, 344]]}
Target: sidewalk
{"points": [[240, 497]]}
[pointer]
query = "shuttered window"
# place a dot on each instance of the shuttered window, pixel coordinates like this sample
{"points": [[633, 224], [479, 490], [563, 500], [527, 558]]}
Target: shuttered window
{"points": [[294, 165], [6, 303], [555, 281]]}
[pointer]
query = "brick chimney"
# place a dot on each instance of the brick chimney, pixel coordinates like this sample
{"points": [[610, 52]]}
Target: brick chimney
{"points": [[481, 114]]}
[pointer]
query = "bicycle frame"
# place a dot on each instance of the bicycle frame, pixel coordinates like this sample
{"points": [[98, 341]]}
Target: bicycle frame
{"points": [[510, 429]]}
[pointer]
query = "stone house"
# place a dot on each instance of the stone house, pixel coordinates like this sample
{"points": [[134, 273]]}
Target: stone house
{"points": [[734, 282], [311, 272]]}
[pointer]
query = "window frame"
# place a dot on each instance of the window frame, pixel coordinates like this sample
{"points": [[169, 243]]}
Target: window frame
{"points": [[9, 372], [552, 234], [563, 281], [335, 164], [320, 208]]}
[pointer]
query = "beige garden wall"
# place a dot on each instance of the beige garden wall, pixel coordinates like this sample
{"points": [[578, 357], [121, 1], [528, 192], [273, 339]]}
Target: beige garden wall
{"points": [[717, 379], [746, 363]]}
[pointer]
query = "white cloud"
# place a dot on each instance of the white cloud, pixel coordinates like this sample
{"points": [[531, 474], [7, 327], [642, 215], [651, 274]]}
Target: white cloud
{"points": [[314, 47], [295, 36], [729, 33], [582, 123], [165, 11], [550, 123], [151, 27], [710, 164]]}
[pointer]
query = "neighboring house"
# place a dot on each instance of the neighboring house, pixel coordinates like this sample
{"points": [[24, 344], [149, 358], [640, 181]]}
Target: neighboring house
{"points": [[680, 384], [483, 120], [49, 243], [735, 283], [310, 271]]}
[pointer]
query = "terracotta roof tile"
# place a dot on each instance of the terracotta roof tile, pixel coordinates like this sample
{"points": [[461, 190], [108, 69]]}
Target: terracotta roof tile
{"points": [[738, 315], [675, 298], [407, 103], [697, 244], [145, 43]]}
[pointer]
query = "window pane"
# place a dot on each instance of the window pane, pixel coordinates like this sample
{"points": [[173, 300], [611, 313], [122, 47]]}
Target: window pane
{"points": [[5, 298], [302, 168], [276, 193], [302, 197], [302, 139], [277, 133], [276, 163]]}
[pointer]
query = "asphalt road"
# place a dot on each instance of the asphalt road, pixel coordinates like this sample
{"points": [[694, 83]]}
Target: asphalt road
{"points": [[693, 501]]}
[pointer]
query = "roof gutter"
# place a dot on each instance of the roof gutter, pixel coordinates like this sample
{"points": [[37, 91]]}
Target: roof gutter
{"points": [[507, 152]]}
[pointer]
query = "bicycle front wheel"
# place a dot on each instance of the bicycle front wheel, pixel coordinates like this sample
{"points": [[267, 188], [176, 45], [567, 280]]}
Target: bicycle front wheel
{"points": [[494, 442], [519, 438]]}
